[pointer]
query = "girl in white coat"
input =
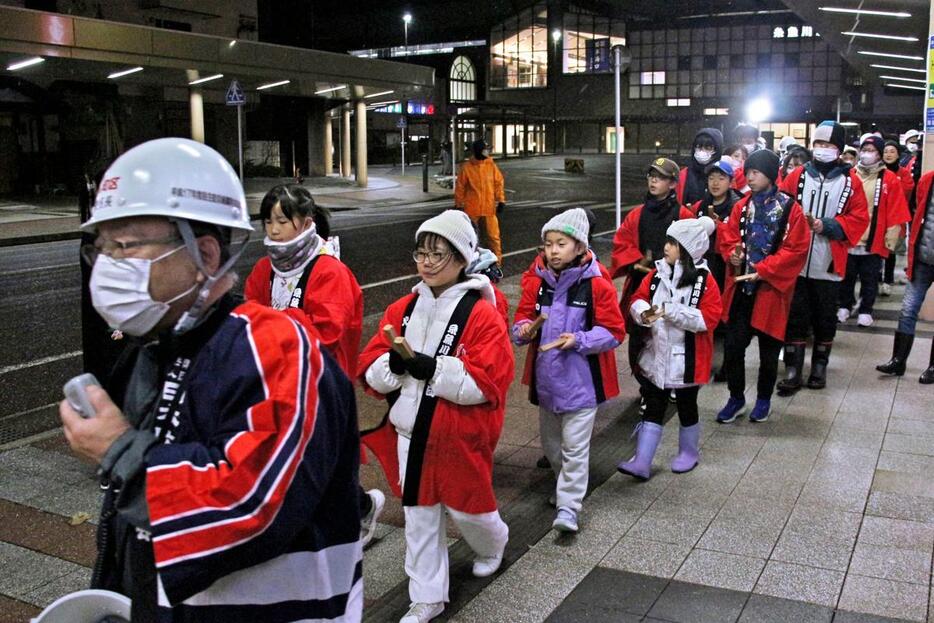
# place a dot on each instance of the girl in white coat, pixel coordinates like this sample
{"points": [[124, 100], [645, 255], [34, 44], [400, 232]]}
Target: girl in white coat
{"points": [[679, 304]]}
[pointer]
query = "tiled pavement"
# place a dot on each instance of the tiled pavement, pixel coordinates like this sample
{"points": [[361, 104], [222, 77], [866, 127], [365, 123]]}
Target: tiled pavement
{"points": [[824, 513]]}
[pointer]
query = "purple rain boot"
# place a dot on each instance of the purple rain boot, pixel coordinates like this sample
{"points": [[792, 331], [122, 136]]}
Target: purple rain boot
{"points": [[640, 466], [688, 449]]}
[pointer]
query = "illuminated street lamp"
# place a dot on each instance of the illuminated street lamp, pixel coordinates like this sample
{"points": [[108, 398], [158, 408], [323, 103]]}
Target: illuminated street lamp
{"points": [[406, 20], [759, 110]]}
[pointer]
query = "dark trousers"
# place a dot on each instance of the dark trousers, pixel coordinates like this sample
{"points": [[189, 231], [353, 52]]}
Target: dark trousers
{"points": [[738, 336], [656, 402], [889, 273], [865, 268], [814, 307]]}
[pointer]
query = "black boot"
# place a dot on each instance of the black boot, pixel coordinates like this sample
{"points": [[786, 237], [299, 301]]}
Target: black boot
{"points": [[794, 366], [927, 377], [900, 350], [819, 359]]}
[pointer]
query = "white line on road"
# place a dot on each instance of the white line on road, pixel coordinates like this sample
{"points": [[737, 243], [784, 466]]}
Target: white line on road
{"points": [[39, 362]]}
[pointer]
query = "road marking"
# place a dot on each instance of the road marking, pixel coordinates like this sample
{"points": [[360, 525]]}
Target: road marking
{"points": [[39, 362]]}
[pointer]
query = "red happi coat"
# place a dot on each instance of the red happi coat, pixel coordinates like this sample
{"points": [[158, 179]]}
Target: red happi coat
{"points": [[907, 180], [922, 199], [778, 272], [333, 304], [457, 469], [892, 211], [854, 219], [626, 252]]}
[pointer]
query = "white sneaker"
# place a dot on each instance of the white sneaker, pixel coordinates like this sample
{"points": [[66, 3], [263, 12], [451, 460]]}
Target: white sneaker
{"points": [[565, 520], [422, 613], [864, 320], [885, 290], [485, 567], [368, 523], [843, 314]]}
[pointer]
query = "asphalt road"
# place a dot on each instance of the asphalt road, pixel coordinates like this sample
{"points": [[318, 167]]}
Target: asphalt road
{"points": [[40, 319]]}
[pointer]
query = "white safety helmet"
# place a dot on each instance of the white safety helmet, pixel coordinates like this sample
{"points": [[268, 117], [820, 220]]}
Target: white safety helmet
{"points": [[786, 143], [177, 178], [88, 606], [910, 134]]}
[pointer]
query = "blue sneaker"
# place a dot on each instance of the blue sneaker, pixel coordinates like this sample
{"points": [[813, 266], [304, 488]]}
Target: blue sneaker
{"points": [[760, 412], [733, 409]]}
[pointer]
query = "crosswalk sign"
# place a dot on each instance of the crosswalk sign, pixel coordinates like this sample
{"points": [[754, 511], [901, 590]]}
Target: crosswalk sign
{"points": [[235, 95]]}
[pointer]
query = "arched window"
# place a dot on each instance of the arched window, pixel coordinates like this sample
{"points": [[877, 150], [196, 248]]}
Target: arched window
{"points": [[463, 80]]}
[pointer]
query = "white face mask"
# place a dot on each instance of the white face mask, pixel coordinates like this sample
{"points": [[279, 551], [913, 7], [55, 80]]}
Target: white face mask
{"points": [[912, 148], [826, 154], [702, 156], [120, 293], [750, 147], [868, 158]]}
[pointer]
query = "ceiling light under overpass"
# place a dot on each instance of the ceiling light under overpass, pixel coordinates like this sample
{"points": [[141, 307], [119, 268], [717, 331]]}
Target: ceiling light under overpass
{"points": [[832, 9], [29, 62], [919, 71], [272, 84], [337, 88], [869, 35], [889, 55], [125, 72], [905, 86], [377, 94], [758, 110], [904, 79], [206, 79]]}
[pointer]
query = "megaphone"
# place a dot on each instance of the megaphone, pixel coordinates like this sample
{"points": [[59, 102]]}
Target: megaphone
{"points": [[88, 606]]}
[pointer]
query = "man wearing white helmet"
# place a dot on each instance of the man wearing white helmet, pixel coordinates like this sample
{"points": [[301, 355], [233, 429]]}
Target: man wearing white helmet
{"points": [[226, 439]]}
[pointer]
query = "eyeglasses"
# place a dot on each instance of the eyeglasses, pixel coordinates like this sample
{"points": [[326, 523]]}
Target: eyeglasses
{"points": [[434, 257], [115, 248], [655, 177]]}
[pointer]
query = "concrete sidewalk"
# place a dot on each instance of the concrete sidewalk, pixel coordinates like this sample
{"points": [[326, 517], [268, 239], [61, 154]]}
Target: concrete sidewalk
{"points": [[27, 220], [823, 513]]}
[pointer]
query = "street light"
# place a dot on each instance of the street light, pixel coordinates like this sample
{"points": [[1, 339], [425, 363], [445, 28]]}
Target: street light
{"points": [[555, 38], [406, 20]]}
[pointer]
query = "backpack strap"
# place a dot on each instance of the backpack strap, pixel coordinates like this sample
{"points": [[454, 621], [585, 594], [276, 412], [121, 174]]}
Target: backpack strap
{"points": [[298, 293]]}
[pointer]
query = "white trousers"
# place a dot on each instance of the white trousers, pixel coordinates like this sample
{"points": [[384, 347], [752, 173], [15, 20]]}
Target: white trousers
{"points": [[566, 441], [426, 547]]}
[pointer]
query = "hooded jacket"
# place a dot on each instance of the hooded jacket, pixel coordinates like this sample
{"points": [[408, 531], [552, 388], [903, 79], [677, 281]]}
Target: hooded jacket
{"points": [[679, 350], [692, 181], [568, 380], [922, 215], [479, 188], [778, 272], [471, 384]]}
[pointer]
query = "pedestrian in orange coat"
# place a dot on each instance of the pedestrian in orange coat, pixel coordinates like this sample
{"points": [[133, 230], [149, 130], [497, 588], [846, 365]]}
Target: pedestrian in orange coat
{"points": [[479, 192]]}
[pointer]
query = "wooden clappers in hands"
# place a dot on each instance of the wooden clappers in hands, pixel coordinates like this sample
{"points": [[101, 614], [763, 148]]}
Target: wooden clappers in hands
{"points": [[398, 343]]}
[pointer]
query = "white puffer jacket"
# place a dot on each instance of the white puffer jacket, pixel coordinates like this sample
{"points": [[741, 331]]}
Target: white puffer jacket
{"points": [[423, 333]]}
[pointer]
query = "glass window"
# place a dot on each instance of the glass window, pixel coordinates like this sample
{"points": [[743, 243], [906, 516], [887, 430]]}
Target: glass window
{"points": [[652, 77], [519, 50], [587, 42], [463, 80]]}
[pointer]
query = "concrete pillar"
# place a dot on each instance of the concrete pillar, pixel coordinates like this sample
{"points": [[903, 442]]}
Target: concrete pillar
{"points": [[316, 120], [328, 144], [360, 121], [196, 105], [345, 141]]}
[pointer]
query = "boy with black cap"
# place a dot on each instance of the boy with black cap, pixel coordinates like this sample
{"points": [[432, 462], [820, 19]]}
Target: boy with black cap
{"points": [[640, 240], [765, 243], [707, 148], [831, 195], [888, 212]]}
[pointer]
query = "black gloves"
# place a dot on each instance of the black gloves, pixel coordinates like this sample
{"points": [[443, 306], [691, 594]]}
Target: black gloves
{"points": [[396, 362], [500, 207], [422, 367]]}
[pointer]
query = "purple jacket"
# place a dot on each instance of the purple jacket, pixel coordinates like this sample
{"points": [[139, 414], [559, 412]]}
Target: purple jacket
{"points": [[563, 378]]}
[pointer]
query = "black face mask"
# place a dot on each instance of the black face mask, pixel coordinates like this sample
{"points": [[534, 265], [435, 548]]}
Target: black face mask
{"points": [[478, 152]]}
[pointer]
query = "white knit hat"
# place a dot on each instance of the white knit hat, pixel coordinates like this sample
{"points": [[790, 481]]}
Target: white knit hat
{"points": [[455, 227], [573, 223], [693, 234]]}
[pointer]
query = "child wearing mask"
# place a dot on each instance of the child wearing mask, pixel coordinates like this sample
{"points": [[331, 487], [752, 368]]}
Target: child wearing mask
{"points": [[692, 183], [831, 195], [765, 243], [680, 305], [570, 367], [850, 156], [303, 275], [640, 240], [920, 272], [888, 213], [446, 409]]}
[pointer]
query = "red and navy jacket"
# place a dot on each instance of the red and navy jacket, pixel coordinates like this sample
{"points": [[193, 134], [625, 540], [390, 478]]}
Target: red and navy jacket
{"points": [[922, 203]]}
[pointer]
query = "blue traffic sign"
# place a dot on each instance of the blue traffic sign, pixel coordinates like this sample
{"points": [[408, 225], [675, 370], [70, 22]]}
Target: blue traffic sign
{"points": [[235, 94]]}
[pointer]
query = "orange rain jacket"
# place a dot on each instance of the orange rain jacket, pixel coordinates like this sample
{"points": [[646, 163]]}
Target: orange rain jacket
{"points": [[479, 188]]}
